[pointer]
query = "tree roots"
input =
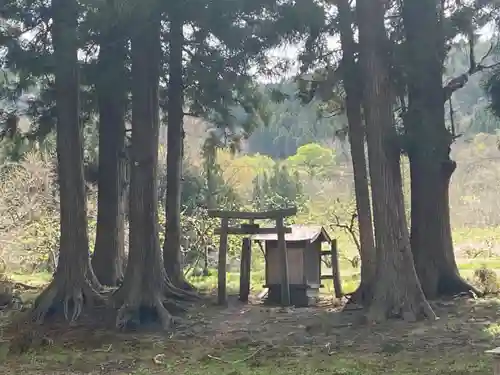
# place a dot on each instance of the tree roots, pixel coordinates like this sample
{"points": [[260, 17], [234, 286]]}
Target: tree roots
{"points": [[456, 285], [378, 314], [400, 298], [183, 294], [72, 299], [450, 286], [138, 306], [140, 309], [187, 286], [134, 314], [362, 296], [138, 302]]}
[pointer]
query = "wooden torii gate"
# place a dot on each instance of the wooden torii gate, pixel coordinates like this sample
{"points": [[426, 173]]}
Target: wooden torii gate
{"points": [[249, 229]]}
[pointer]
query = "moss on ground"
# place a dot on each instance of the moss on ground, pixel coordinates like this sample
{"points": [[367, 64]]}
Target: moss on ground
{"points": [[146, 362], [271, 343], [252, 340]]}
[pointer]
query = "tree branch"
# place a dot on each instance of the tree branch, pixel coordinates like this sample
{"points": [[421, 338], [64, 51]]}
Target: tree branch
{"points": [[459, 82]]}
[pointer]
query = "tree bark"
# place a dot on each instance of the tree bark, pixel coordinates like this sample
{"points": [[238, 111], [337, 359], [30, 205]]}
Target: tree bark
{"points": [[210, 161], [175, 138], [397, 290], [74, 282], [109, 252], [146, 291], [429, 145], [352, 85]]}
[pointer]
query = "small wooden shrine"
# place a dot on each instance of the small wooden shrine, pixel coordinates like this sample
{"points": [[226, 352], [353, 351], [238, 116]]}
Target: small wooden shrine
{"points": [[304, 252], [293, 256], [248, 229]]}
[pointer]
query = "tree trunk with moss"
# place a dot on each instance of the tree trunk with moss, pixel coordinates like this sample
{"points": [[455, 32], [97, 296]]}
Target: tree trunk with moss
{"points": [[74, 282], [146, 291], [396, 291], [109, 254], [175, 139], [353, 89], [428, 148]]}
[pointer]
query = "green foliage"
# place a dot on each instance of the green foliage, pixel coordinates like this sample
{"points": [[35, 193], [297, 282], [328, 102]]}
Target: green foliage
{"points": [[195, 190], [198, 235], [257, 162], [40, 239], [239, 172], [13, 149], [492, 88], [279, 189], [313, 159], [288, 123], [233, 36], [226, 40]]}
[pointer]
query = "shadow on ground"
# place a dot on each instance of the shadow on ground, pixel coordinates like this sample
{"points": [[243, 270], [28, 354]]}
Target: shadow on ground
{"points": [[254, 339]]}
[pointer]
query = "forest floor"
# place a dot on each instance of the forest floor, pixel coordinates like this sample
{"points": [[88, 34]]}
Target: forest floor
{"points": [[245, 339], [253, 339]]}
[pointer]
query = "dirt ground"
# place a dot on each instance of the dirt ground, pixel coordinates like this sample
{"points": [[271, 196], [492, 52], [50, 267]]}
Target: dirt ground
{"points": [[256, 339]]}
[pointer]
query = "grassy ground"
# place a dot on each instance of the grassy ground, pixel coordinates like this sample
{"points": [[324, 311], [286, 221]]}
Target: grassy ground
{"points": [[244, 340], [257, 340]]}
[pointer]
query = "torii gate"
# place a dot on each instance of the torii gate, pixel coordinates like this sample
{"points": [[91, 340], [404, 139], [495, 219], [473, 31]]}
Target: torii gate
{"points": [[251, 228]]}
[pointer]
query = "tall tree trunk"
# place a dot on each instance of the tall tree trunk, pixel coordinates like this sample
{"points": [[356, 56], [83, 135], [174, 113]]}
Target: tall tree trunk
{"points": [[175, 138], [429, 151], [210, 160], [352, 86], [210, 156], [109, 253], [146, 289], [397, 290], [74, 282]]}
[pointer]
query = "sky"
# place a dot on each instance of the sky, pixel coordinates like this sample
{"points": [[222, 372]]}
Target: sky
{"points": [[291, 53]]}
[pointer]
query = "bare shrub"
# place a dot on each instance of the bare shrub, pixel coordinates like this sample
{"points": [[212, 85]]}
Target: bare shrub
{"points": [[486, 280], [473, 192], [29, 207]]}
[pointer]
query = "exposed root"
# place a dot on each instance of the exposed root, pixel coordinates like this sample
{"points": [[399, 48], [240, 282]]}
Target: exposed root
{"points": [[94, 282], [379, 312], [456, 285], [362, 296], [175, 306], [135, 313], [187, 295], [76, 299], [181, 294], [163, 315], [140, 306], [72, 299], [175, 299], [187, 286], [44, 303], [399, 302], [428, 311], [125, 316]]}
